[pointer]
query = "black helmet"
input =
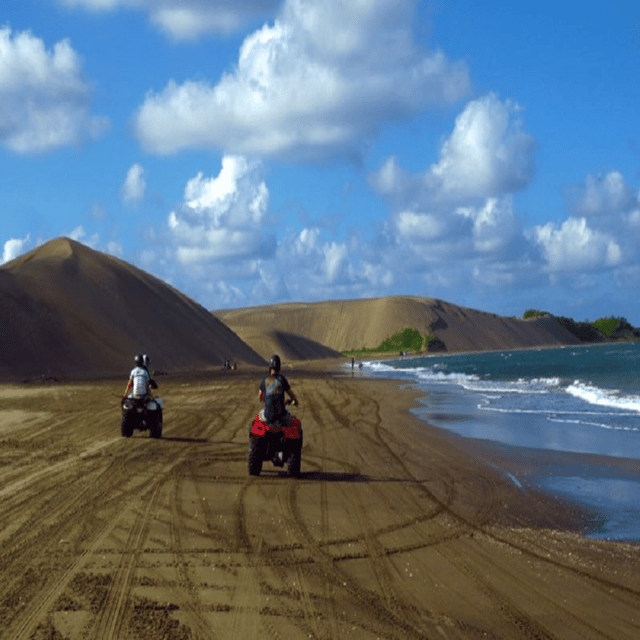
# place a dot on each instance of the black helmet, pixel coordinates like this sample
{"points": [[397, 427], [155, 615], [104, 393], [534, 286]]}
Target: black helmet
{"points": [[139, 360], [145, 360], [274, 363]]}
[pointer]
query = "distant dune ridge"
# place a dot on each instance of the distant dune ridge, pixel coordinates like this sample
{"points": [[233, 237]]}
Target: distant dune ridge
{"points": [[324, 329], [68, 310]]}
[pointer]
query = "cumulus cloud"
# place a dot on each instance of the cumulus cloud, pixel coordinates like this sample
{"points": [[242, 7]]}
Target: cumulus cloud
{"points": [[134, 186], [487, 155], [14, 247], [316, 83], [495, 224], [43, 95], [460, 209], [309, 266], [220, 217], [574, 246], [182, 20], [603, 195]]}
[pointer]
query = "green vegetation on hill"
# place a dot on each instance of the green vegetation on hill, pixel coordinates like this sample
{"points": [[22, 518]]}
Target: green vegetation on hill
{"points": [[608, 326], [616, 328], [534, 313], [410, 340], [406, 340], [611, 328]]}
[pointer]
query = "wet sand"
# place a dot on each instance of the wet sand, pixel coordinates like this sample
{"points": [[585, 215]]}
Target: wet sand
{"points": [[394, 530]]}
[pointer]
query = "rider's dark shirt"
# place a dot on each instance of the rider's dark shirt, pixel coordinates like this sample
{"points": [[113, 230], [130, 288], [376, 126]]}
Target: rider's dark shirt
{"points": [[273, 388]]}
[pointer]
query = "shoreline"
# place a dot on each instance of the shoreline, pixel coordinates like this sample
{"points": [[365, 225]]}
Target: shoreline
{"points": [[586, 471], [542, 509]]}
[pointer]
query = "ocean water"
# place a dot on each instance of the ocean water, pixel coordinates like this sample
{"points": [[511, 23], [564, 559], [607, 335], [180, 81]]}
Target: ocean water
{"points": [[583, 400]]}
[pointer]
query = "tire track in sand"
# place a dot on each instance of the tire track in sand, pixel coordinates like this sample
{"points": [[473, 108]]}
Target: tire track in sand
{"points": [[110, 619]]}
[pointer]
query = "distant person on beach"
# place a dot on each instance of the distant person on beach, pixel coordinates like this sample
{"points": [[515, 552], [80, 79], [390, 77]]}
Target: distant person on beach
{"points": [[272, 391]]}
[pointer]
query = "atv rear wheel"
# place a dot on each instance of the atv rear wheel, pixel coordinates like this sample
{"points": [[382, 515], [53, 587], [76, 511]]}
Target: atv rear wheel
{"points": [[256, 455], [155, 430], [295, 458], [126, 425]]}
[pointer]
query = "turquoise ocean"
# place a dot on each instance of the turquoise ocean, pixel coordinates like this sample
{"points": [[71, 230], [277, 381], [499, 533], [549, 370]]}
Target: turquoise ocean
{"points": [[580, 400]]}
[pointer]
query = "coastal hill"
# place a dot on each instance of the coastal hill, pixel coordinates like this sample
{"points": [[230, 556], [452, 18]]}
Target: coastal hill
{"points": [[70, 311], [304, 330]]}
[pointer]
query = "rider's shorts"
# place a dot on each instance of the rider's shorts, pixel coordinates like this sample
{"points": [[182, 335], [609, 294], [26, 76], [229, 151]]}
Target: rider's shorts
{"points": [[283, 421]]}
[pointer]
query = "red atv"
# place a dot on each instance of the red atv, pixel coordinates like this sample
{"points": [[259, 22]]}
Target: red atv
{"points": [[278, 443]]}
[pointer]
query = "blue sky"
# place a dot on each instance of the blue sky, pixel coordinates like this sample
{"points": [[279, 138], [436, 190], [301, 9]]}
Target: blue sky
{"points": [[487, 154]]}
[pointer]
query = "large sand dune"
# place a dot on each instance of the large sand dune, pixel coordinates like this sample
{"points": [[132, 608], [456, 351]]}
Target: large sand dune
{"points": [[342, 325], [68, 310]]}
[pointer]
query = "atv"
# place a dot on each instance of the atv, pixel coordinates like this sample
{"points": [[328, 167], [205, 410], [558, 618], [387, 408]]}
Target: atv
{"points": [[141, 413], [279, 443]]}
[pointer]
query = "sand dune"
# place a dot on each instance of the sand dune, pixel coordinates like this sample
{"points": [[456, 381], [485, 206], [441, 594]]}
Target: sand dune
{"points": [[353, 324], [70, 311]]}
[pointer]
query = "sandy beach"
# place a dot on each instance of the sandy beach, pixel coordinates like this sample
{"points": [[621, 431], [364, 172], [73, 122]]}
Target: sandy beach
{"points": [[394, 529]]}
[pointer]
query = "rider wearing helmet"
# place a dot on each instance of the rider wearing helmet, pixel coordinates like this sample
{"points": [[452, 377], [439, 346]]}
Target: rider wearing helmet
{"points": [[140, 381], [272, 390]]}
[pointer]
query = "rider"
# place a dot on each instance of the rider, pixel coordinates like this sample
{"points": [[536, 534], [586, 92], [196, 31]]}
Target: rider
{"points": [[140, 381], [146, 363], [272, 390]]}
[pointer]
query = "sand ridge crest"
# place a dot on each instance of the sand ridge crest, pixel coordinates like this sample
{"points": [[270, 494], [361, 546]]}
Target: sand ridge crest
{"points": [[342, 325]]}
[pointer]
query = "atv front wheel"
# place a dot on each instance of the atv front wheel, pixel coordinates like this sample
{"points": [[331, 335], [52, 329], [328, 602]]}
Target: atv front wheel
{"points": [[256, 455]]}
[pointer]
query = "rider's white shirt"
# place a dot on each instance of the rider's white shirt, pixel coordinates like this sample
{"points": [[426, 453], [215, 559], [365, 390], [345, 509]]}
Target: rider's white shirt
{"points": [[140, 377]]}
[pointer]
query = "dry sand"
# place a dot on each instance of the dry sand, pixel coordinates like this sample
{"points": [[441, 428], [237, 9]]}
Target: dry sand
{"points": [[393, 531]]}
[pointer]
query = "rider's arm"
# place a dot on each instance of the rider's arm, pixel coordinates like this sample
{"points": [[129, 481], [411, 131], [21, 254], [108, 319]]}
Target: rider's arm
{"points": [[293, 397]]}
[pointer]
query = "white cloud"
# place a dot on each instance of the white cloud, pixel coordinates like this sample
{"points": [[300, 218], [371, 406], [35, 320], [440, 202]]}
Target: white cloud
{"points": [[80, 235], [182, 20], [14, 248], [134, 186], [423, 226], [115, 248], [460, 208], [221, 216], [574, 246], [487, 155], [43, 95], [335, 255], [306, 242], [317, 83], [494, 224], [603, 195]]}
